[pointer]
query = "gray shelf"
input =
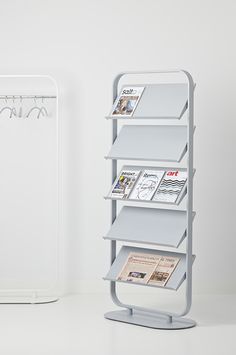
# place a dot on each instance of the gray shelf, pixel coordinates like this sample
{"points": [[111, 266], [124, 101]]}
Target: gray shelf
{"points": [[149, 226], [167, 101], [180, 198], [173, 283], [135, 167], [150, 143]]}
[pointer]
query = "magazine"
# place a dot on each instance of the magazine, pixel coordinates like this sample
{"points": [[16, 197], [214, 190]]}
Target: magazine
{"points": [[148, 269], [147, 185], [127, 101], [163, 271], [139, 267], [124, 183], [171, 186]]}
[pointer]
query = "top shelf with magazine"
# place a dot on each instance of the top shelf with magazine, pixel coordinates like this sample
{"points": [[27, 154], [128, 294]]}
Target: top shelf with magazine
{"points": [[153, 101]]}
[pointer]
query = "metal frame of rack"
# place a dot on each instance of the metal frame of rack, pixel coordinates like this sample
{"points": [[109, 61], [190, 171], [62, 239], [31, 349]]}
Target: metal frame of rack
{"points": [[135, 314]]}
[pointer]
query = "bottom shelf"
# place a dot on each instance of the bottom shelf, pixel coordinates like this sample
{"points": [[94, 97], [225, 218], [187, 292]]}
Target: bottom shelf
{"points": [[149, 320], [174, 281]]}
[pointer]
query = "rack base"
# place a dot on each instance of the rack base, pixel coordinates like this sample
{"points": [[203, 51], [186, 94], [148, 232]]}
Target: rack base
{"points": [[147, 320]]}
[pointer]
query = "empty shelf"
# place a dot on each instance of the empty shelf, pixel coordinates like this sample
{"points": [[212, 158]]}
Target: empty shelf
{"points": [[149, 226], [173, 283], [150, 143], [161, 101]]}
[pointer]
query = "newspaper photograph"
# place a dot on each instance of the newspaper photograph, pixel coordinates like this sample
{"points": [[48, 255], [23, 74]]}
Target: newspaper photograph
{"points": [[139, 267]]}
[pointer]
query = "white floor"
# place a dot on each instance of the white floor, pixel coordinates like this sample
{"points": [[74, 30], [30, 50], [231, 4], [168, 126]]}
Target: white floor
{"points": [[75, 326]]}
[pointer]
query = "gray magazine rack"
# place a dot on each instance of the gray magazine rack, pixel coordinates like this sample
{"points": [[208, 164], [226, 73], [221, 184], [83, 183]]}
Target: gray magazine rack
{"points": [[154, 226]]}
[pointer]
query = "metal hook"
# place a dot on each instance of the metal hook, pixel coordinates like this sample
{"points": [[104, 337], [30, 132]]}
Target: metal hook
{"points": [[20, 110], [32, 109], [43, 111], [13, 112], [11, 109]]}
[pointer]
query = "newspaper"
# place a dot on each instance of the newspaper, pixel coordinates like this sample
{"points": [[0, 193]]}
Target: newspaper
{"points": [[127, 101], [139, 267], [163, 271], [124, 183], [149, 269], [147, 184], [171, 186]]}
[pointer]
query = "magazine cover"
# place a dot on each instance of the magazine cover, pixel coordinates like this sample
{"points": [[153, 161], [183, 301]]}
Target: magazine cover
{"points": [[171, 186], [147, 185], [163, 271], [127, 101], [124, 183], [139, 267]]}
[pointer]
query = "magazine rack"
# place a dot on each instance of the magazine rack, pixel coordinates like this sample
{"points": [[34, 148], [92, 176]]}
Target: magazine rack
{"points": [[147, 225]]}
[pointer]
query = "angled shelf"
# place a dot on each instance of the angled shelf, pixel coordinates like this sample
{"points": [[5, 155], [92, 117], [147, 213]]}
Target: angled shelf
{"points": [[167, 101], [149, 226], [173, 283], [135, 167], [179, 200], [150, 143]]}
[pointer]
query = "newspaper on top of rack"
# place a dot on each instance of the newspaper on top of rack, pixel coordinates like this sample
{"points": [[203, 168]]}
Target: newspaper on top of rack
{"points": [[127, 101], [149, 269]]}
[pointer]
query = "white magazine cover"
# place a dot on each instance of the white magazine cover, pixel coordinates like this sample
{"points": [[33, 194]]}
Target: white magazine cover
{"points": [[163, 271], [147, 185], [171, 186], [127, 101], [124, 183], [139, 267]]}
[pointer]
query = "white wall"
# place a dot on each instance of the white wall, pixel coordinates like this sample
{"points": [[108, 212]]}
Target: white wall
{"points": [[84, 44]]}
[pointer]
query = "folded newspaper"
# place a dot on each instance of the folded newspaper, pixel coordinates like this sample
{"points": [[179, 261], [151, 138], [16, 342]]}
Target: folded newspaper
{"points": [[148, 269]]}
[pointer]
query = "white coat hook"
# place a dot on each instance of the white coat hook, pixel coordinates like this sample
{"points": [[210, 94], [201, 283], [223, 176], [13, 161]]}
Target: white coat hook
{"points": [[20, 110], [13, 109]]}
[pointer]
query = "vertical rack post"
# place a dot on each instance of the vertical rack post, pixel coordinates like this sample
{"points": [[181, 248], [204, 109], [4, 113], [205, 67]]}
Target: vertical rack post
{"points": [[114, 203], [189, 194]]}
